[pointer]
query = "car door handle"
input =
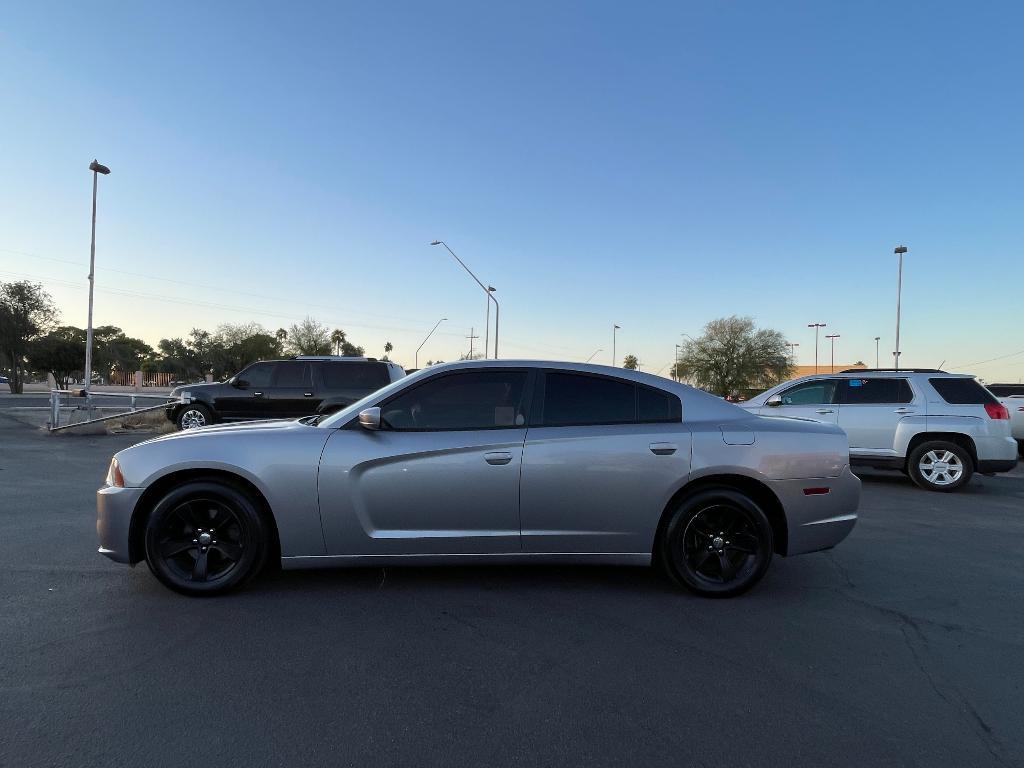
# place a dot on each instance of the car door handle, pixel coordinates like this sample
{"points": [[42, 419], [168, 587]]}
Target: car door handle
{"points": [[257, 394], [904, 410], [307, 394], [498, 457], [823, 411], [663, 449]]}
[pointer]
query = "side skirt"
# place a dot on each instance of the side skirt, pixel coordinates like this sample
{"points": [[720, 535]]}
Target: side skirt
{"points": [[511, 558]]}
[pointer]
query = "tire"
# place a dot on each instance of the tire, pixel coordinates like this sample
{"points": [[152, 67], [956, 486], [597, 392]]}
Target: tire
{"points": [[718, 543], [205, 538], [1020, 448], [193, 415], [953, 466]]}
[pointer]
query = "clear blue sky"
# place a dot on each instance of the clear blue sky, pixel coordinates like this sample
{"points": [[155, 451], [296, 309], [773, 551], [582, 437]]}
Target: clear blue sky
{"points": [[652, 165]]}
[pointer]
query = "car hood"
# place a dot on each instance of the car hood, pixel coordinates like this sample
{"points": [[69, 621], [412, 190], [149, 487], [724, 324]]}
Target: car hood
{"points": [[200, 387], [246, 429]]}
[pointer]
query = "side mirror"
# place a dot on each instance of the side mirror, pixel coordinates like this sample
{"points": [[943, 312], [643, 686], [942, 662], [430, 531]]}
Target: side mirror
{"points": [[774, 401], [238, 383], [370, 419]]}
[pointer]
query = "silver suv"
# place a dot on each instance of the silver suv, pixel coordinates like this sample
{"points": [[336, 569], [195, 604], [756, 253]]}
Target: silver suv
{"points": [[937, 427]]}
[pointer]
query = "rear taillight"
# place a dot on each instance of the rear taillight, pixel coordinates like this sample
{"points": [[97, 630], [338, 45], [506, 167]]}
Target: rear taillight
{"points": [[996, 411]]}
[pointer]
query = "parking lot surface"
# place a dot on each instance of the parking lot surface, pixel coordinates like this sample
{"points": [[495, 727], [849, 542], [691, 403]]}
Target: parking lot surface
{"points": [[903, 646]]}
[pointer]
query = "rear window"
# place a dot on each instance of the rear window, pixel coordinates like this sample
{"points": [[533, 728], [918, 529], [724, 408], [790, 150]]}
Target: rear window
{"points": [[367, 376], [876, 391], [1006, 390], [962, 391], [653, 405]]}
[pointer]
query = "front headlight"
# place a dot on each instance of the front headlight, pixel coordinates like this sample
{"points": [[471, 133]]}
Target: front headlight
{"points": [[114, 476]]}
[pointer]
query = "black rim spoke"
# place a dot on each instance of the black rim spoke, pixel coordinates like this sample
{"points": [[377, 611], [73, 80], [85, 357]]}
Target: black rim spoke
{"points": [[719, 543], [229, 550], [199, 569], [174, 547], [195, 528], [743, 542], [728, 570]]}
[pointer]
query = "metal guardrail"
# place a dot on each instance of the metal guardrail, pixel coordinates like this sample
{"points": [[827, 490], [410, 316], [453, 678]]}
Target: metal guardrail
{"points": [[54, 424]]}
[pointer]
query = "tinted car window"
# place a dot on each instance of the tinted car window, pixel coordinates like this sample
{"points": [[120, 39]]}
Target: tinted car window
{"points": [[574, 399], [871, 391], [962, 391], [810, 393], [345, 375], [654, 405], [1006, 390], [460, 401], [258, 375], [292, 374]]}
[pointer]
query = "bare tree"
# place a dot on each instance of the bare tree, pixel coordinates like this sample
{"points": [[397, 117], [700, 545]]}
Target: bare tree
{"points": [[309, 338]]}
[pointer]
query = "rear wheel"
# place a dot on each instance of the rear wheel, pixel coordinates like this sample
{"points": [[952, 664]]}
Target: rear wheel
{"points": [[193, 416], [718, 543], [940, 466], [204, 538]]}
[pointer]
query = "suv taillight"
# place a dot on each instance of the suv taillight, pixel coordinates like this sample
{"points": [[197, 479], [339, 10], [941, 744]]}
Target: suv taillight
{"points": [[996, 411]]}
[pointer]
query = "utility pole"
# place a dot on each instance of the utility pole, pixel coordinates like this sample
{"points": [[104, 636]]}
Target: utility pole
{"points": [[96, 169], [899, 251], [876, 350], [615, 330], [471, 337], [816, 327]]}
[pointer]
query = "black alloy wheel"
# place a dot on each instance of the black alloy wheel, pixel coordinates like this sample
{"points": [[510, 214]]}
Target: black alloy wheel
{"points": [[718, 543], [204, 538]]}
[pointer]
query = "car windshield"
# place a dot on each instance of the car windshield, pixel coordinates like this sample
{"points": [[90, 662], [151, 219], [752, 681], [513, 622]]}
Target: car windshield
{"points": [[342, 416]]}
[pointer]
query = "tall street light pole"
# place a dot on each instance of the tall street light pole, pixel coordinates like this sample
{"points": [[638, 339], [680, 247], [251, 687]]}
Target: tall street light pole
{"points": [[615, 330], [675, 368], [899, 251], [490, 294], [816, 327], [832, 337], [96, 169], [792, 351], [417, 363], [876, 350]]}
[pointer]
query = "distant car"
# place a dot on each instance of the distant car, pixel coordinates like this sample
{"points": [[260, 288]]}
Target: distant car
{"points": [[283, 389], [1012, 396], [937, 427], [496, 461], [3, 380]]}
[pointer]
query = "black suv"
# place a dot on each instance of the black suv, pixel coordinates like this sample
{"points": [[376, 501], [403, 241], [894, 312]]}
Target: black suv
{"points": [[283, 389]]}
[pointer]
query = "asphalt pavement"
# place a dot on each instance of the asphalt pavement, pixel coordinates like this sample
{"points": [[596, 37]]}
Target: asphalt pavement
{"points": [[903, 646]]}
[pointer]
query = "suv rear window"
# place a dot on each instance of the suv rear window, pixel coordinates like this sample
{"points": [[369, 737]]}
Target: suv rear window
{"points": [[342, 375], [876, 391], [1006, 390], [962, 391]]}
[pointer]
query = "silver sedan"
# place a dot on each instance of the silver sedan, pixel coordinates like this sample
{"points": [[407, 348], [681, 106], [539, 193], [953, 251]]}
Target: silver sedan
{"points": [[487, 462]]}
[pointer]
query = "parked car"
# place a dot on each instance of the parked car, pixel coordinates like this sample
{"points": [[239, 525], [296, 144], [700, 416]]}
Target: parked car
{"points": [[3, 380], [487, 461], [937, 427], [1012, 396], [283, 389]]}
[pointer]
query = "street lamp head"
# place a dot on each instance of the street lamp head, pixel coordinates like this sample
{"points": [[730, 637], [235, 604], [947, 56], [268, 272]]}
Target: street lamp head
{"points": [[900, 249], [97, 168], [435, 242], [491, 289], [877, 338]]}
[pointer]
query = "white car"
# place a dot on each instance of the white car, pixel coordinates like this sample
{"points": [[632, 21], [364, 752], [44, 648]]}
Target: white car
{"points": [[1012, 396], [937, 427]]}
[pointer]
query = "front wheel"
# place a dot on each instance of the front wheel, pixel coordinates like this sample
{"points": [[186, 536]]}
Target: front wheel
{"points": [[940, 466], [203, 538], [193, 416], [718, 543]]}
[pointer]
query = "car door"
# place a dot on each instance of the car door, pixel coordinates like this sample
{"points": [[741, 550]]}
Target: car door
{"points": [[871, 410], [291, 391], [441, 476], [814, 399], [603, 457], [245, 397]]}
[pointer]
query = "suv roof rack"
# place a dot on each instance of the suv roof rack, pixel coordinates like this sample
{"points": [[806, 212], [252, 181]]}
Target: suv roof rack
{"points": [[893, 370], [335, 357]]}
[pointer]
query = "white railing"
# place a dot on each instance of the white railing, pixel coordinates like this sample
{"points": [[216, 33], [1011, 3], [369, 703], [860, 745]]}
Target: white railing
{"points": [[87, 396]]}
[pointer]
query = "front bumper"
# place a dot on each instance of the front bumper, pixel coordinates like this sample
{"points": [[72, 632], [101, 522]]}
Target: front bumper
{"points": [[821, 520], [114, 508]]}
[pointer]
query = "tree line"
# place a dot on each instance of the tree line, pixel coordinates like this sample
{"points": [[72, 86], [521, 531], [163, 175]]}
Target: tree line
{"points": [[34, 343]]}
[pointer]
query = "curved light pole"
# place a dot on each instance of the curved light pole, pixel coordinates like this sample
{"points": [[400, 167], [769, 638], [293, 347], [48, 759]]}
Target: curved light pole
{"points": [[96, 169], [417, 363], [599, 349], [816, 327], [484, 288]]}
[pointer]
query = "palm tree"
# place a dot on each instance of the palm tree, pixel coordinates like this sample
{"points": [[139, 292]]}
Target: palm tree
{"points": [[337, 339], [387, 349]]}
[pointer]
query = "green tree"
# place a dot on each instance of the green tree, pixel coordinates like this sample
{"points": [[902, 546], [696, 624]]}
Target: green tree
{"points": [[113, 350], [337, 340], [732, 356], [631, 362], [60, 352], [309, 338], [26, 313]]}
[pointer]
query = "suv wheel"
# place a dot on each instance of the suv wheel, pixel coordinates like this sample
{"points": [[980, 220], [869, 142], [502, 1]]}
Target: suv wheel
{"points": [[193, 416], [940, 466]]}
